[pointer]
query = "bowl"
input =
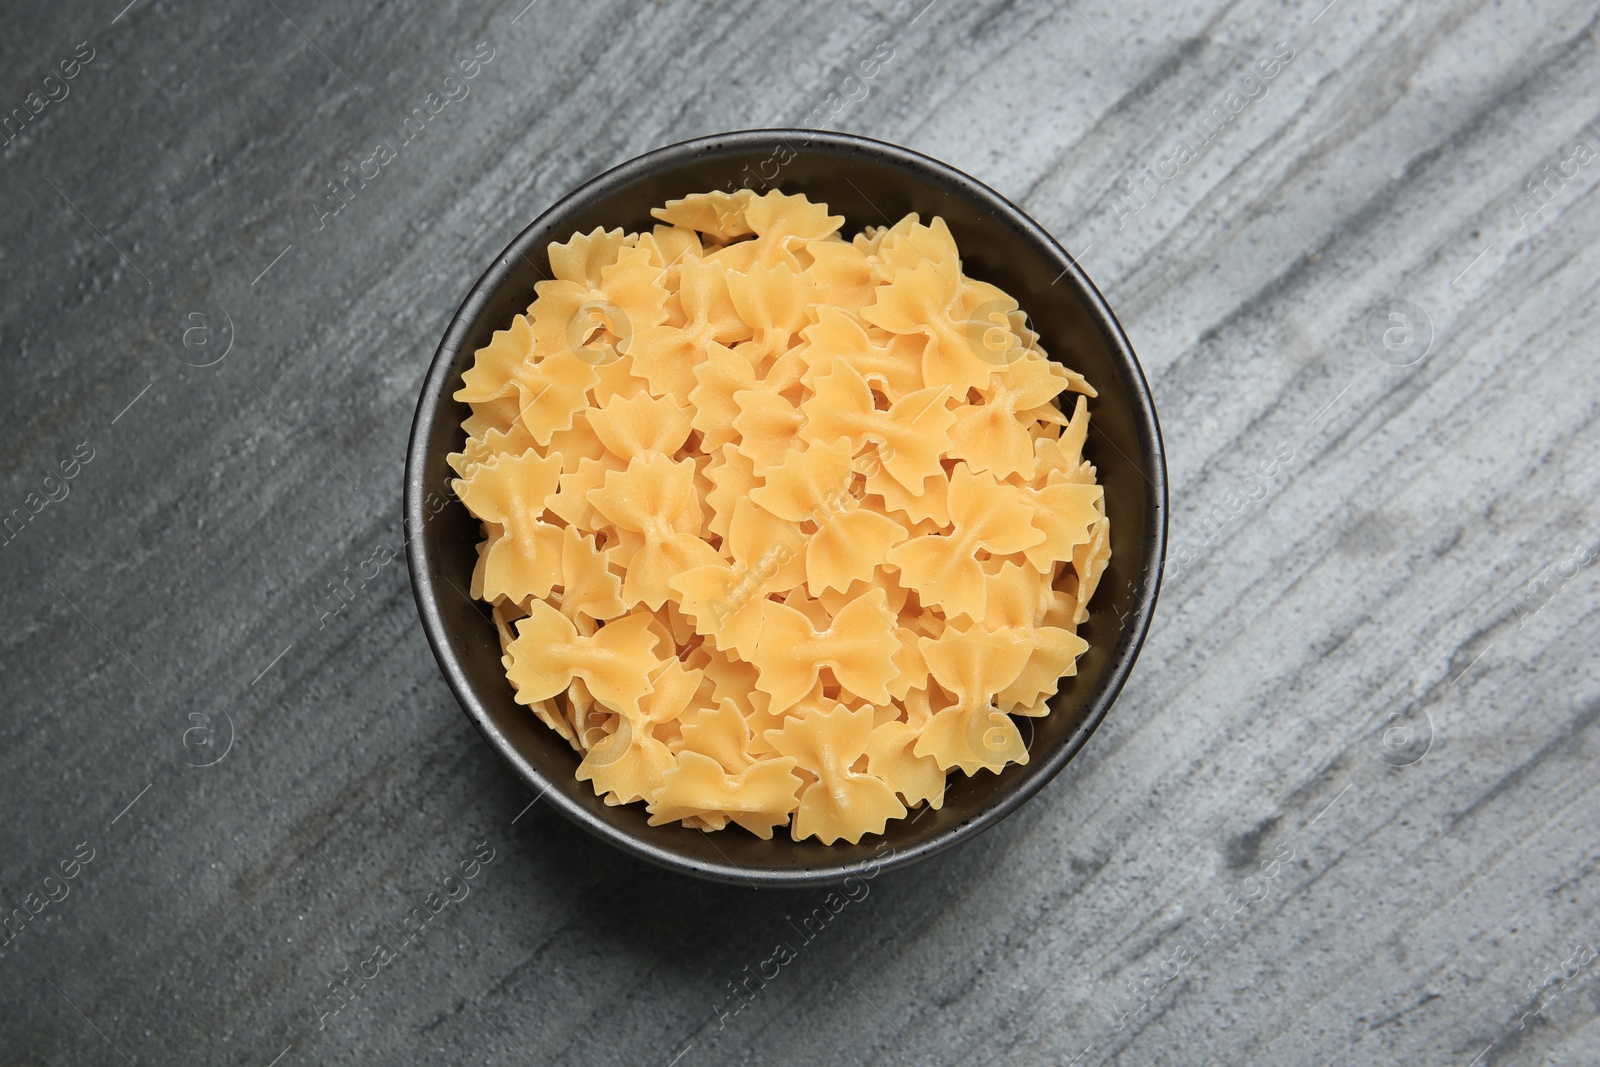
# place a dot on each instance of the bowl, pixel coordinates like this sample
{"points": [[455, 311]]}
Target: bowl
{"points": [[869, 183]]}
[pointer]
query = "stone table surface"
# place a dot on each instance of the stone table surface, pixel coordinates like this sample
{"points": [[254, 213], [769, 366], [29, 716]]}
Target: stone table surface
{"points": [[1353, 243]]}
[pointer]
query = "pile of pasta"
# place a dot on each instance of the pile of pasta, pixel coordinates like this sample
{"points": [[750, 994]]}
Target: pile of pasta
{"points": [[780, 528]]}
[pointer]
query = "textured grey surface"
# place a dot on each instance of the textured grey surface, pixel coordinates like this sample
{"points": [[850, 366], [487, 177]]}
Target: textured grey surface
{"points": [[1380, 661]]}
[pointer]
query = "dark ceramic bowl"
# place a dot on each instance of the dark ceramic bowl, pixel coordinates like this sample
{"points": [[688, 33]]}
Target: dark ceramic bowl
{"points": [[869, 183]]}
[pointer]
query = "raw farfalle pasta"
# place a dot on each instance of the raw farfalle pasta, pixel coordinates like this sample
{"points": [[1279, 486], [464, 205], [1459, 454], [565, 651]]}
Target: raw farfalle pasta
{"points": [[780, 528]]}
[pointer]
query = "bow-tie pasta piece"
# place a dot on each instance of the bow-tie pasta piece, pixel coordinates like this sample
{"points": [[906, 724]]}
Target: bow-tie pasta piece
{"points": [[858, 644], [772, 301], [632, 426], [841, 803], [629, 762], [909, 243], [719, 216], [666, 355], [892, 369], [716, 774], [596, 317], [1066, 514], [914, 432], [973, 665], [615, 663], [496, 363], [850, 541], [921, 300], [551, 391], [525, 558], [783, 225], [781, 524], [513, 379], [583, 259], [990, 436], [625, 764], [944, 568], [654, 506], [758, 798]]}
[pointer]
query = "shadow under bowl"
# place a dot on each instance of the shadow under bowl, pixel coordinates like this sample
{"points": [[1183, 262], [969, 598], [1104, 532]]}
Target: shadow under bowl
{"points": [[869, 183]]}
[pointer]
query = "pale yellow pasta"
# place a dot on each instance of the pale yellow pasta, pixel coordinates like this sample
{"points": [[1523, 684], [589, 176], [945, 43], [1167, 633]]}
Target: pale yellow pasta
{"points": [[780, 528]]}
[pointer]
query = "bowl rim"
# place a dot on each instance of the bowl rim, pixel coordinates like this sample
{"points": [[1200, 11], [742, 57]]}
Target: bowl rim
{"points": [[1152, 460]]}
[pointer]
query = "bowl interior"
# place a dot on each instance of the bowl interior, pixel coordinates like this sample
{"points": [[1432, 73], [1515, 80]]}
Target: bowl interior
{"points": [[869, 183]]}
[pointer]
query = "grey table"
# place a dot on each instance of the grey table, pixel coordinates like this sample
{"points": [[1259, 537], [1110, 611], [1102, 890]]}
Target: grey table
{"points": [[1343, 814]]}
